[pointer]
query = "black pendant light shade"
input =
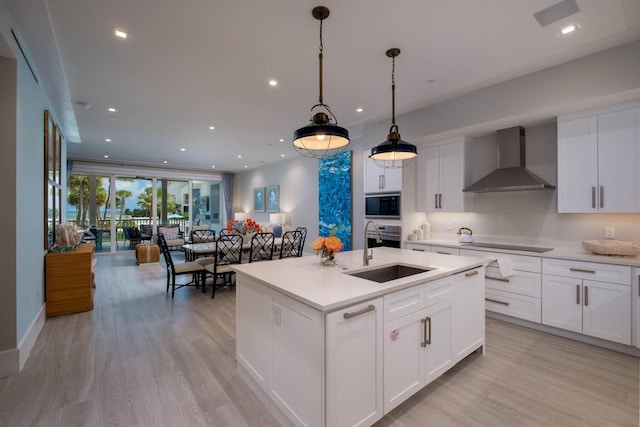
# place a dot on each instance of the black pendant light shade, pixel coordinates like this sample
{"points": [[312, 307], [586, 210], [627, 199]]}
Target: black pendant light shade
{"points": [[394, 150], [322, 137]]}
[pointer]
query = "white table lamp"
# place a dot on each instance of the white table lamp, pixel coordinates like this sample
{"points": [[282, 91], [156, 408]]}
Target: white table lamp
{"points": [[240, 216]]}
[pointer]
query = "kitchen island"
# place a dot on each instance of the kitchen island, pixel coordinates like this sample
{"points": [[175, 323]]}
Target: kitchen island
{"points": [[322, 347]]}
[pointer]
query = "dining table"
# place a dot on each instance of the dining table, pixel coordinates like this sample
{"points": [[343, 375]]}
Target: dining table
{"points": [[193, 251]]}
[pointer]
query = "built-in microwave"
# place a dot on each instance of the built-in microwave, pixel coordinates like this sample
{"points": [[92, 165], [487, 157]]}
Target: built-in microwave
{"points": [[382, 205]]}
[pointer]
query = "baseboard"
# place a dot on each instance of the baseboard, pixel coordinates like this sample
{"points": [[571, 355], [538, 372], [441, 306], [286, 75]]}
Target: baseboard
{"points": [[12, 361], [29, 339]]}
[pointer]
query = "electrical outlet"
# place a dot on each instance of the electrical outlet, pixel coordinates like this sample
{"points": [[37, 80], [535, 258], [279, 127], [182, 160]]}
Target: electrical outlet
{"points": [[448, 226], [609, 233]]}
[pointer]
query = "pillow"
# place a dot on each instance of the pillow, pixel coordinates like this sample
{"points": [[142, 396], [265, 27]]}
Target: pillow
{"points": [[171, 236], [170, 233]]}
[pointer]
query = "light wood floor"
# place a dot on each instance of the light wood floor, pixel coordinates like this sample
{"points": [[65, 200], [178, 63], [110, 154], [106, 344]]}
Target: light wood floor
{"points": [[140, 358]]}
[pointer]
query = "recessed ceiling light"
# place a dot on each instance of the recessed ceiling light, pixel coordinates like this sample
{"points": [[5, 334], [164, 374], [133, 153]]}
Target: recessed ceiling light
{"points": [[165, 162], [106, 156], [112, 110], [245, 166], [212, 127], [107, 140], [121, 34], [213, 166], [568, 29], [273, 82], [281, 139], [431, 81], [183, 149], [281, 155], [239, 156], [359, 110]]}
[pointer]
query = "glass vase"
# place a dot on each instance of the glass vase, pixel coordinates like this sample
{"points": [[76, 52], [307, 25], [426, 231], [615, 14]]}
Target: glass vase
{"points": [[328, 259]]}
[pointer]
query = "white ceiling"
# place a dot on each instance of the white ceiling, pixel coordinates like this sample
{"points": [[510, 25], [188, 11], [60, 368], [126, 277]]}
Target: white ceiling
{"points": [[190, 64]]}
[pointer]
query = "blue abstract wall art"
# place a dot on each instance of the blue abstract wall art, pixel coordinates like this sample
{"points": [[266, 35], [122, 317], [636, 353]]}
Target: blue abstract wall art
{"points": [[335, 197]]}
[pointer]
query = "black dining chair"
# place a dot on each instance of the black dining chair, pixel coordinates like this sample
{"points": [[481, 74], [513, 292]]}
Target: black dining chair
{"points": [[198, 271], [262, 245], [203, 236], [302, 230], [228, 252], [291, 244]]}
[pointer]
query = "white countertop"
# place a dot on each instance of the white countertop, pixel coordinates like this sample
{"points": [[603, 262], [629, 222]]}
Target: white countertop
{"points": [[561, 251], [329, 288]]}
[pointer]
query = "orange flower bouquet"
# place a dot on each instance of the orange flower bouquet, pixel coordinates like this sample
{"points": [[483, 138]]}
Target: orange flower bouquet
{"points": [[249, 225], [327, 247]]}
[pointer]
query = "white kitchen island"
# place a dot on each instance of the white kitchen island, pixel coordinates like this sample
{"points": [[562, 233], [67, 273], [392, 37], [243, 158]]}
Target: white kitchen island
{"points": [[324, 348]]}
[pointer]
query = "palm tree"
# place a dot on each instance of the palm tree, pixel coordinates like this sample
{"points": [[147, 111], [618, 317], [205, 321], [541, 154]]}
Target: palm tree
{"points": [[121, 196]]}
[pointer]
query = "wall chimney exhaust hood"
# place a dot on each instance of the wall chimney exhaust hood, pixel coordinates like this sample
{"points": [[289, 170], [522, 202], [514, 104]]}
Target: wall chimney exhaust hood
{"points": [[512, 174]]}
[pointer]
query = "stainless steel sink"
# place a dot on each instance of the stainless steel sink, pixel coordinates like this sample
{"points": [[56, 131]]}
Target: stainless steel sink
{"points": [[510, 247], [390, 272]]}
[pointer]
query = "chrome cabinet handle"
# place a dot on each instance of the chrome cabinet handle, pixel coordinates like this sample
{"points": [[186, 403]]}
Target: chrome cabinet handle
{"points": [[639, 286], [417, 250], [578, 294], [471, 273], [440, 200], [502, 279], [593, 197], [428, 340], [384, 181], [424, 332], [586, 295], [602, 196], [359, 312], [496, 301], [582, 270], [443, 253], [436, 201]]}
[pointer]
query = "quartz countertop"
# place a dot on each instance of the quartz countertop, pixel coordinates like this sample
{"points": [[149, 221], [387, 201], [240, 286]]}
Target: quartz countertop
{"points": [[328, 288], [573, 251]]}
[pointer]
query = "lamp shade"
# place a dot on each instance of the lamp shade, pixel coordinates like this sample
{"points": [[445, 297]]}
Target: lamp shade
{"points": [[240, 216], [394, 150], [276, 218]]}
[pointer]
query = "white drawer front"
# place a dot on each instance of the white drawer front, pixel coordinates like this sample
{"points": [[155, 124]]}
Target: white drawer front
{"points": [[437, 291], [520, 306], [401, 303], [588, 270], [519, 262], [444, 250], [523, 283], [417, 247]]}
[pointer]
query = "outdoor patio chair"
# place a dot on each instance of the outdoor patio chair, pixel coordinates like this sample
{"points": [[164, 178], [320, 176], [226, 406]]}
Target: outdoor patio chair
{"points": [[173, 236], [133, 235], [196, 270]]}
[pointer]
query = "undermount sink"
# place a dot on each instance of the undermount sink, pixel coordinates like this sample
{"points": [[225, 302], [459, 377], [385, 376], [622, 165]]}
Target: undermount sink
{"points": [[390, 272], [511, 247]]}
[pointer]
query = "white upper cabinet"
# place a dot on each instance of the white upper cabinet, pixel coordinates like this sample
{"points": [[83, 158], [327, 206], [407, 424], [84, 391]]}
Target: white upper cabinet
{"points": [[378, 179], [599, 162], [441, 178]]}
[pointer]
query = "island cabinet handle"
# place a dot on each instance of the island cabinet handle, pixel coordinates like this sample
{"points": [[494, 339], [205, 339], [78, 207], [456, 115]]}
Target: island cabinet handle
{"points": [[443, 253], [496, 301], [586, 295], [426, 331], [578, 294], [593, 197], [471, 273], [639, 286], [582, 270], [359, 312], [502, 279]]}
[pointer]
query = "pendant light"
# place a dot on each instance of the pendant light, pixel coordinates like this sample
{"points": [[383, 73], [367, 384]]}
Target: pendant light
{"points": [[322, 137], [394, 150]]}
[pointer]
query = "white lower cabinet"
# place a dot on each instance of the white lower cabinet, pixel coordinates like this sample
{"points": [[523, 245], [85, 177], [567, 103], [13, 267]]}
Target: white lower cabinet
{"points": [[571, 301], [467, 322], [354, 365], [636, 307]]}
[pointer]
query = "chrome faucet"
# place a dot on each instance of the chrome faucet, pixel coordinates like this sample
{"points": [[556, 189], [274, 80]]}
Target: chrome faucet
{"points": [[369, 255]]}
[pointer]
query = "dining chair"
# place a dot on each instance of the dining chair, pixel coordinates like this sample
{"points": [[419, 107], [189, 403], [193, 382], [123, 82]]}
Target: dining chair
{"points": [[198, 271], [203, 236], [228, 252], [291, 244], [262, 245], [302, 230]]}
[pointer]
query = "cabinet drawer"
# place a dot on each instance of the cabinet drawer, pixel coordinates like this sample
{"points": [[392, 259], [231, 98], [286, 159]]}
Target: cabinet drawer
{"points": [[401, 303], [417, 247], [522, 283], [437, 291], [588, 270], [444, 250], [520, 306], [520, 262]]}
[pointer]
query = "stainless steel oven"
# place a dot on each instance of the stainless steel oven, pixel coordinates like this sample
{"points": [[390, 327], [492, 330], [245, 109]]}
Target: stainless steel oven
{"points": [[390, 235], [382, 205]]}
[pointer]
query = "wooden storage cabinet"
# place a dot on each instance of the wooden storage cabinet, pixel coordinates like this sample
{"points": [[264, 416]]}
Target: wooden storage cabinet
{"points": [[69, 282]]}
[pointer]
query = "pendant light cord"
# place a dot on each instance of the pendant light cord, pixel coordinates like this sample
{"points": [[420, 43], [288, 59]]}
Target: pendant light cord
{"points": [[320, 63], [393, 91]]}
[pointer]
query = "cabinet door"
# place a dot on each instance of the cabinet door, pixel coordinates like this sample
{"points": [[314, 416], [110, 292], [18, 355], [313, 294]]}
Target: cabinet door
{"points": [[372, 174], [354, 368], [468, 315], [403, 359], [636, 306], [562, 302], [428, 185], [392, 180], [437, 354], [578, 165], [297, 360], [607, 311], [253, 324], [451, 177], [618, 159]]}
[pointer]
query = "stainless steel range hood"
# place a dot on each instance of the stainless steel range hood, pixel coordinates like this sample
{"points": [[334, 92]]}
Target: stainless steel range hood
{"points": [[512, 174]]}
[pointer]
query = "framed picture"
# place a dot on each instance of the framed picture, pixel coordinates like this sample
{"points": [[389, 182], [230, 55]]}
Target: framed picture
{"points": [[273, 198], [258, 199]]}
